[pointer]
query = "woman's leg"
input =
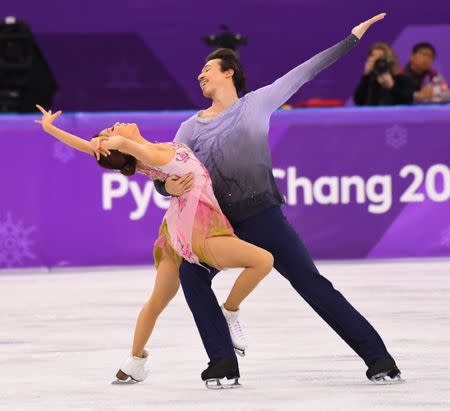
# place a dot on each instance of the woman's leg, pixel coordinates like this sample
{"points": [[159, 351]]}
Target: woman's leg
{"points": [[166, 286], [231, 252]]}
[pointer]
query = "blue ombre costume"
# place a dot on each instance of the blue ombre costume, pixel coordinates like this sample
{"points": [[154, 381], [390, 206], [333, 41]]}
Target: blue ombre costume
{"points": [[234, 148]]}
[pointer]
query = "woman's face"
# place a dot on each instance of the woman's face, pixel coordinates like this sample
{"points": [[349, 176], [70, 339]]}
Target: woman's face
{"points": [[127, 130], [377, 53]]}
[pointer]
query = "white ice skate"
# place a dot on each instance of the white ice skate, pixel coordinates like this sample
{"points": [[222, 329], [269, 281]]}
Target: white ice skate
{"points": [[133, 370], [237, 335]]}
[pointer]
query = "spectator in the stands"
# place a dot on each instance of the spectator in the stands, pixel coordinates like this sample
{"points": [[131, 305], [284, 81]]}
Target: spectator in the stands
{"points": [[429, 86], [381, 83]]}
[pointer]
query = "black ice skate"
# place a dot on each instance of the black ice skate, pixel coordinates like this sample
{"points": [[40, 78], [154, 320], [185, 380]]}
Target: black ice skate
{"points": [[219, 369], [239, 352], [384, 371]]}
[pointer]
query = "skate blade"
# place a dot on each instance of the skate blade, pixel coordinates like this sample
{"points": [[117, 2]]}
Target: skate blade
{"points": [[384, 379], [124, 379], [216, 384], [125, 382], [239, 352]]}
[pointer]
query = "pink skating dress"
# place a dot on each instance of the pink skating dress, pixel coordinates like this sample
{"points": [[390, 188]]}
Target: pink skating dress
{"points": [[190, 218]]}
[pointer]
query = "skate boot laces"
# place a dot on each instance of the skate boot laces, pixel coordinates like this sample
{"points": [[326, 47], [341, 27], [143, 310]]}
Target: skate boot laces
{"points": [[236, 333], [236, 330]]}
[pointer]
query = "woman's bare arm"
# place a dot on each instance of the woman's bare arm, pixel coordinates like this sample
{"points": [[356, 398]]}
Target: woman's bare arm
{"points": [[69, 139], [146, 153]]}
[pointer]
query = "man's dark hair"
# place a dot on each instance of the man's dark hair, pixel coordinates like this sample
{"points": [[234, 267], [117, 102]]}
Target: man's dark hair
{"points": [[420, 46], [230, 60]]}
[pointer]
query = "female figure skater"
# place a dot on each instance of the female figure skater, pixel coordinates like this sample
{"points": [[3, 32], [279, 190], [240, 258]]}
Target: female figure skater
{"points": [[194, 228]]}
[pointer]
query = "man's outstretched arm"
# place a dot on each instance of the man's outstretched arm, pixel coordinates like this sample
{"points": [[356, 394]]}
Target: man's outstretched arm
{"points": [[274, 95]]}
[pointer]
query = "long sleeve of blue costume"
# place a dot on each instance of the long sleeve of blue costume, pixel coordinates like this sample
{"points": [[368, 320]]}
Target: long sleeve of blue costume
{"points": [[276, 94]]}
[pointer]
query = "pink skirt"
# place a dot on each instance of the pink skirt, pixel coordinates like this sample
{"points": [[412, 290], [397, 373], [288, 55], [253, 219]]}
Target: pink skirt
{"points": [[209, 222]]}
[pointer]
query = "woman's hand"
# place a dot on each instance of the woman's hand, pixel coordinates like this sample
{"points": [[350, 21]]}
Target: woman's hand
{"points": [[98, 148], [360, 29], [47, 117], [368, 66], [102, 144], [112, 142]]}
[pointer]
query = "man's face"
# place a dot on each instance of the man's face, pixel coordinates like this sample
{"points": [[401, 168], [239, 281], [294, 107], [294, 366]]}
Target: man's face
{"points": [[422, 60], [212, 78]]}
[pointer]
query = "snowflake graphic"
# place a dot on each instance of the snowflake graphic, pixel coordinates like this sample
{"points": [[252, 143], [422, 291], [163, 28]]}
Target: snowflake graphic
{"points": [[15, 244], [123, 77], [445, 237], [62, 152], [397, 136]]}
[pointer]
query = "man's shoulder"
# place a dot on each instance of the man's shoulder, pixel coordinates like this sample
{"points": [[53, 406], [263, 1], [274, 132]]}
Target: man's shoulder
{"points": [[189, 121], [186, 130]]}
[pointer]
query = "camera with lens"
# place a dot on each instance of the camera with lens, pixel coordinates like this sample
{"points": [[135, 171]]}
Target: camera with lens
{"points": [[381, 66]]}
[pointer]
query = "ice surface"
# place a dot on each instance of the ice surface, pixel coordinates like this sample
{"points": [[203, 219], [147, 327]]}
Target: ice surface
{"points": [[64, 334]]}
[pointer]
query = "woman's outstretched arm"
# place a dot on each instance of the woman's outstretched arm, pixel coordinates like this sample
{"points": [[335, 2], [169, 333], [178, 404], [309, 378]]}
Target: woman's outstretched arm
{"points": [[146, 153], [69, 139]]}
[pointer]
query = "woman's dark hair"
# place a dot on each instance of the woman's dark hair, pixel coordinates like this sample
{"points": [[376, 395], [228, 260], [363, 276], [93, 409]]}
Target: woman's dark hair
{"points": [[230, 60], [125, 163]]}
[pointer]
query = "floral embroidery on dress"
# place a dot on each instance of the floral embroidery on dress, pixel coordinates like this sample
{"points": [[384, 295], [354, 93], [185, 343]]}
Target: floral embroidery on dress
{"points": [[153, 172], [186, 252], [181, 203], [182, 156]]}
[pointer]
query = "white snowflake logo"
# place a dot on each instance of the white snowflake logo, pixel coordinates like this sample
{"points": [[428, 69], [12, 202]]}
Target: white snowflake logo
{"points": [[445, 237], [15, 244], [62, 152], [397, 136], [123, 77]]}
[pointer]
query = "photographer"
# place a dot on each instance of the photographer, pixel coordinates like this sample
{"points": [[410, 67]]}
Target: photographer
{"points": [[381, 84]]}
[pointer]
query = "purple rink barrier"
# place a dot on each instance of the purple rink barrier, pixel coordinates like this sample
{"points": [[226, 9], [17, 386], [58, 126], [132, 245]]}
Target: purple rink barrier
{"points": [[359, 183]]}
